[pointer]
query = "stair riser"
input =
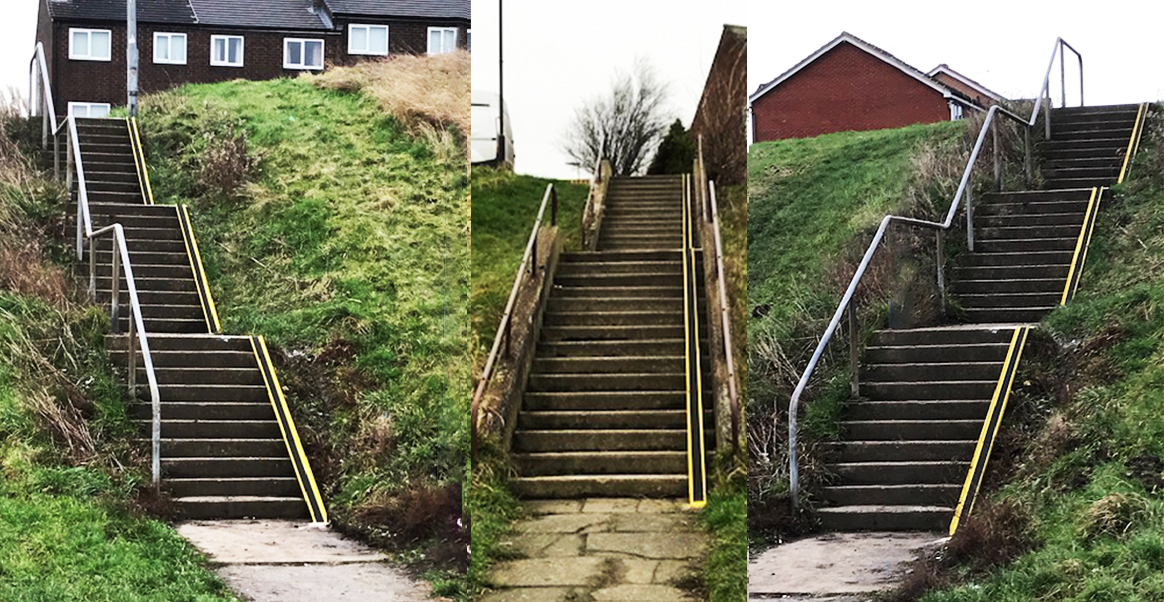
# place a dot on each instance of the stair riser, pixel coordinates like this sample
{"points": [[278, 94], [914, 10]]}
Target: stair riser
{"points": [[1033, 232], [920, 450], [206, 376], [200, 344], [569, 441], [923, 430], [204, 393], [901, 474], [614, 280], [201, 429], [187, 359], [251, 487], [144, 283], [536, 465], [1017, 246], [913, 521], [598, 487], [588, 333], [948, 370], [206, 411], [1008, 286], [615, 319], [600, 402], [615, 304], [1029, 221], [926, 391], [1077, 182], [1014, 300], [606, 382], [235, 509], [998, 316], [638, 420], [950, 337], [600, 365], [208, 448], [1091, 133], [964, 353], [885, 496], [600, 257], [225, 468], [1016, 259], [1011, 272], [674, 269]]}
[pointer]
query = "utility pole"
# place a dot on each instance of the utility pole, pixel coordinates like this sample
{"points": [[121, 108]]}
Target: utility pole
{"points": [[131, 55], [501, 141]]}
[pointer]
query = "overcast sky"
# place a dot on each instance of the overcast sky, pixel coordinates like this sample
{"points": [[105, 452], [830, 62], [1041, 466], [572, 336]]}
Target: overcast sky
{"points": [[558, 54], [1005, 46], [17, 40]]}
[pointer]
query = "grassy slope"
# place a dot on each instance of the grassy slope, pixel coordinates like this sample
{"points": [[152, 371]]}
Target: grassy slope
{"points": [[68, 477], [348, 251], [1092, 476]]}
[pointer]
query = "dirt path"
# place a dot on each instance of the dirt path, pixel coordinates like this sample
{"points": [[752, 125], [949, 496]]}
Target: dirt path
{"points": [[616, 550], [837, 567], [287, 561]]}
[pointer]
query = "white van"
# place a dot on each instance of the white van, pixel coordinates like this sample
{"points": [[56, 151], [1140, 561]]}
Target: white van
{"points": [[486, 122]]}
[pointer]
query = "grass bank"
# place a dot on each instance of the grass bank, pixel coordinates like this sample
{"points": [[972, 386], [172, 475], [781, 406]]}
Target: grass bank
{"points": [[340, 233]]}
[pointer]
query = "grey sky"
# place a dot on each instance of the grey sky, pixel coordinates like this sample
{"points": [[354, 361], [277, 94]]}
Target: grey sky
{"points": [[1005, 46], [558, 54], [17, 40]]}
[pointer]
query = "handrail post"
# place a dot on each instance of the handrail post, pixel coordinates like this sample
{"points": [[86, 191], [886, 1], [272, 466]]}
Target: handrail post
{"points": [[44, 121], [115, 284], [997, 157], [970, 214], [1047, 112], [132, 358], [940, 256], [1027, 163], [1062, 72], [854, 367], [1080, 79], [93, 270]]}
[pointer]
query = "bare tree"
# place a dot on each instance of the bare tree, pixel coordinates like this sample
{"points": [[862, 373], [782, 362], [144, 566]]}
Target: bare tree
{"points": [[623, 126]]}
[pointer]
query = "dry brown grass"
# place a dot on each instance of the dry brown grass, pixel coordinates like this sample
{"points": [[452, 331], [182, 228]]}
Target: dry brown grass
{"points": [[428, 94]]}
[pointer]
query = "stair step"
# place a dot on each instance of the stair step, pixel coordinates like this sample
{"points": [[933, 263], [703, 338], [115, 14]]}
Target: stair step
{"points": [[150, 284], [600, 440], [1091, 132], [885, 518], [995, 300], [253, 394], [613, 350], [1054, 271], [1029, 285], [214, 410], [893, 495], [1027, 232], [1075, 182], [1066, 243], [585, 486], [286, 487], [206, 428], [204, 342], [922, 371], [222, 448], [901, 473], [598, 304], [1105, 162], [191, 359], [654, 381], [1112, 143], [941, 336], [1017, 259], [592, 419], [611, 333], [224, 467], [1007, 315], [657, 317], [604, 401], [672, 290], [905, 391], [910, 354], [170, 375], [634, 279], [913, 430], [597, 268], [1023, 197], [620, 256], [610, 365], [215, 507], [590, 463], [903, 450], [1029, 220]]}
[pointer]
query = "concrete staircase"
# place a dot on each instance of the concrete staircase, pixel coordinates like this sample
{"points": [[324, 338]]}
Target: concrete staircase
{"points": [[224, 454], [908, 442], [603, 409]]}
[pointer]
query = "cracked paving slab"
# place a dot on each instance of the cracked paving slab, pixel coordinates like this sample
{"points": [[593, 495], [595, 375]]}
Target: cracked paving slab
{"points": [[288, 561], [601, 549]]}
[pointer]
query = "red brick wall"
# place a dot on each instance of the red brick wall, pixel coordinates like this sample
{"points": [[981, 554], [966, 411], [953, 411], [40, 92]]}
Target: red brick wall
{"points": [[845, 89], [104, 81]]}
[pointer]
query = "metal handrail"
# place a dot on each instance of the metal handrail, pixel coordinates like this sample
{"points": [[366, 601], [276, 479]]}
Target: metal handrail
{"points": [[706, 186], [527, 268], [120, 263], [1045, 92], [45, 103], [964, 190]]}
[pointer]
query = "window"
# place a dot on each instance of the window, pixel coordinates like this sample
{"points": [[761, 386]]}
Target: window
{"points": [[226, 51], [368, 39], [170, 48], [89, 109], [302, 54], [442, 39], [90, 44]]}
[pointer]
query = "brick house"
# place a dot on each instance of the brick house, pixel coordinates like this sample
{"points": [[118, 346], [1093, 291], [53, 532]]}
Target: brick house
{"points": [[852, 85], [722, 114], [201, 41]]}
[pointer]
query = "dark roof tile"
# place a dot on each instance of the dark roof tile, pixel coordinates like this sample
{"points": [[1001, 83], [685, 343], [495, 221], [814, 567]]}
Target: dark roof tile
{"points": [[268, 14], [444, 9], [148, 11]]}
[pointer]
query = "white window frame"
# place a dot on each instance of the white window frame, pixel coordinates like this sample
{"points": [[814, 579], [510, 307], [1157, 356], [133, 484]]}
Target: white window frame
{"points": [[170, 37], [303, 54], [89, 106], [74, 55], [369, 29], [428, 39], [242, 47]]}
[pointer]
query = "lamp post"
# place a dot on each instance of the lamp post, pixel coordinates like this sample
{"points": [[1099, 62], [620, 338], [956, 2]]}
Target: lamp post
{"points": [[501, 141], [131, 55]]}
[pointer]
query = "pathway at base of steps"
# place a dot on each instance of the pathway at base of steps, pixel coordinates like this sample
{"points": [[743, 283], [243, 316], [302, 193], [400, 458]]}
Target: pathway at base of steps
{"points": [[601, 550], [835, 567], [289, 561]]}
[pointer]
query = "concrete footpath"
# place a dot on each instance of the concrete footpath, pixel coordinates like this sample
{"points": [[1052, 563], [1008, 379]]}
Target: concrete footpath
{"points": [[835, 567], [602, 550], [288, 561]]}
